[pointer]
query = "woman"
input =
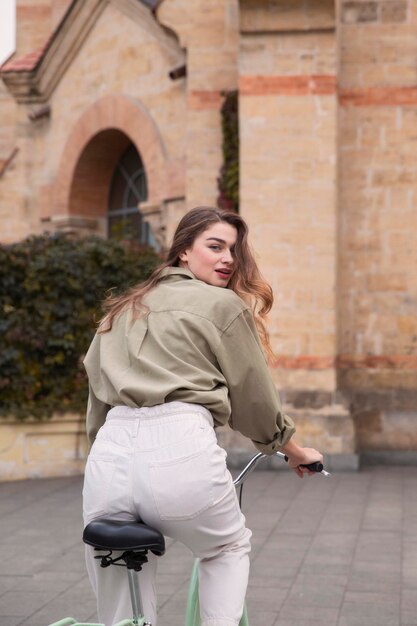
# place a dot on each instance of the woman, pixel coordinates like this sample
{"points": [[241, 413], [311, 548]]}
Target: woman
{"points": [[175, 357]]}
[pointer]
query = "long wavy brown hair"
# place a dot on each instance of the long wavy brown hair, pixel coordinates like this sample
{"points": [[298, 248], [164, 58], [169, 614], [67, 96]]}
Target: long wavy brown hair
{"points": [[246, 280]]}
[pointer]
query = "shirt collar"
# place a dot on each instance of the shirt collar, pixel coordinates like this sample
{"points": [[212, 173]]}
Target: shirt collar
{"points": [[176, 271]]}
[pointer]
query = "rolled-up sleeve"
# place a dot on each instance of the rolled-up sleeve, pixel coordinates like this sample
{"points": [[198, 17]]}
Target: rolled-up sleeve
{"points": [[255, 403]]}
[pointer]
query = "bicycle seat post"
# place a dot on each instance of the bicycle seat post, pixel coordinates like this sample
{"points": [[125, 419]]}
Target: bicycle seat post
{"points": [[137, 607]]}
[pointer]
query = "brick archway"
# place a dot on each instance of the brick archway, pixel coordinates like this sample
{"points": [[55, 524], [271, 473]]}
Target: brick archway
{"points": [[113, 121], [89, 189]]}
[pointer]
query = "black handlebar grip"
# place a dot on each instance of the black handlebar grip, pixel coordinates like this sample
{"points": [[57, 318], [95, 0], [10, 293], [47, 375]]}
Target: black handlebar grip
{"points": [[313, 467]]}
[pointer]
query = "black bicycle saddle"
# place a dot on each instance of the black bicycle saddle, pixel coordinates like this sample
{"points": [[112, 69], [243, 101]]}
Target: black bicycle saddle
{"points": [[114, 535]]}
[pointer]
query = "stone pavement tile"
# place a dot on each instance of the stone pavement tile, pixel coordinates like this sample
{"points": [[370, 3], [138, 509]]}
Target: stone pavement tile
{"points": [[310, 489], [409, 576], [71, 561], [169, 584], [265, 598], [266, 505], [261, 522], [374, 577], [330, 554], [409, 543], [259, 617], [15, 495], [178, 562], [383, 517], [350, 492], [166, 617], [317, 591], [177, 604], [295, 521], [259, 487], [311, 568], [388, 604], [181, 594], [283, 550], [410, 505], [328, 549], [341, 518], [280, 543], [409, 606], [369, 597], [78, 601], [326, 615], [302, 622], [280, 576], [338, 542], [8, 582], [368, 614], [54, 582], [15, 567], [379, 540], [266, 581], [258, 541], [410, 523], [9, 550], [9, 620], [409, 566], [92, 618], [379, 547], [288, 559], [23, 604]]}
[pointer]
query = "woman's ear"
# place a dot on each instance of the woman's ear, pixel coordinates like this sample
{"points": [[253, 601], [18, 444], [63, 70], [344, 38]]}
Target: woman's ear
{"points": [[183, 257]]}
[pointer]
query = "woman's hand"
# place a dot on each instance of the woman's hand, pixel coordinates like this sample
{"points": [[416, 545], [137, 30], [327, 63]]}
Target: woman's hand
{"points": [[310, 455], [298, 456]]}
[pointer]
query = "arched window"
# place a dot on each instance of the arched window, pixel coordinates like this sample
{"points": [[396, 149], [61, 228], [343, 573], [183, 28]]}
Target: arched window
{"points": [[127, 189]]}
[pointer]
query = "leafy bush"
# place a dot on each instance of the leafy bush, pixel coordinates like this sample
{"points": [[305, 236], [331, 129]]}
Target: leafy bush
{"points": [[51, 288], [228, 182]]}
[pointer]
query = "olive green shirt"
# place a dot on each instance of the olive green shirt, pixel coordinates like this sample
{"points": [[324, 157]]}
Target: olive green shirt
{"points": [[194, 343]]}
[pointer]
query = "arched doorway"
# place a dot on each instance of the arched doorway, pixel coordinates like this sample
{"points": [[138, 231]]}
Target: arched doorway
{"points": [[80, 195], [108, 184]]}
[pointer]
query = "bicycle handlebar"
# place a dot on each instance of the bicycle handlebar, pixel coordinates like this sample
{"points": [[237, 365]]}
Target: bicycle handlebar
{"points": [[313, 467]]}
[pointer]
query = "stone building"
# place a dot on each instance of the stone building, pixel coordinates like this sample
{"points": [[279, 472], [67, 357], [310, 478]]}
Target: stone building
{"points": [[109, 115]]}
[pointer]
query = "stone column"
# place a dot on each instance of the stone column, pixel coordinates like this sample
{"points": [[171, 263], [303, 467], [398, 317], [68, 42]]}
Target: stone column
{"points": [[288, 118], [378, 220]]}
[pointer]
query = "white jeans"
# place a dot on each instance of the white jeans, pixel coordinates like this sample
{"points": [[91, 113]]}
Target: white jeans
{"points": [[163, 465]]}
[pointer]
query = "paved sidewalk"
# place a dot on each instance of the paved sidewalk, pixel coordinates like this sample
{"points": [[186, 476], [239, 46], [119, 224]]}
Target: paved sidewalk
{"points": [[326, 552]]}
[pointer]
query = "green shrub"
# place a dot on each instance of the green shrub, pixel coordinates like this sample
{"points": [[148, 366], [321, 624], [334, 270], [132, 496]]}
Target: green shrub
{"points": [[228, 182], [51, 289]]}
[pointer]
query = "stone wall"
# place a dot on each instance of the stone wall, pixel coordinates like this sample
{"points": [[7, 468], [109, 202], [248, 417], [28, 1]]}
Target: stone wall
{"points": [[55, 447], [377, 287]]}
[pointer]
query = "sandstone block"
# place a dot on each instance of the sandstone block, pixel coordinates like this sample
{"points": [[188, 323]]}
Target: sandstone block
{"points": [[394, 12], [359, 12], [387, 282]]}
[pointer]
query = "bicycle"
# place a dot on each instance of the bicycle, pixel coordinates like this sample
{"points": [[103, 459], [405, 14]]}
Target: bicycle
{"points": [[135, 540]]}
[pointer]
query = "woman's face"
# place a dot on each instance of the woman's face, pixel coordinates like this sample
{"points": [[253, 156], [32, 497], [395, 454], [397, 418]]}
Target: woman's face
{"points": [[210, 258]]}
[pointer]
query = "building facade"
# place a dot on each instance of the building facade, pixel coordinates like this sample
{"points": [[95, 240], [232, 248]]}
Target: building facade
{"points": [[110, 115]]}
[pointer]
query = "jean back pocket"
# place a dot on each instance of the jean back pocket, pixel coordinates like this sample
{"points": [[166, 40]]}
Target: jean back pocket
{"points": [[182, 487]]}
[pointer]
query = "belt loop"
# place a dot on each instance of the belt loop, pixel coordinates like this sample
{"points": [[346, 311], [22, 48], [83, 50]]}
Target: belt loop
{"points": [[136, 425]]}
